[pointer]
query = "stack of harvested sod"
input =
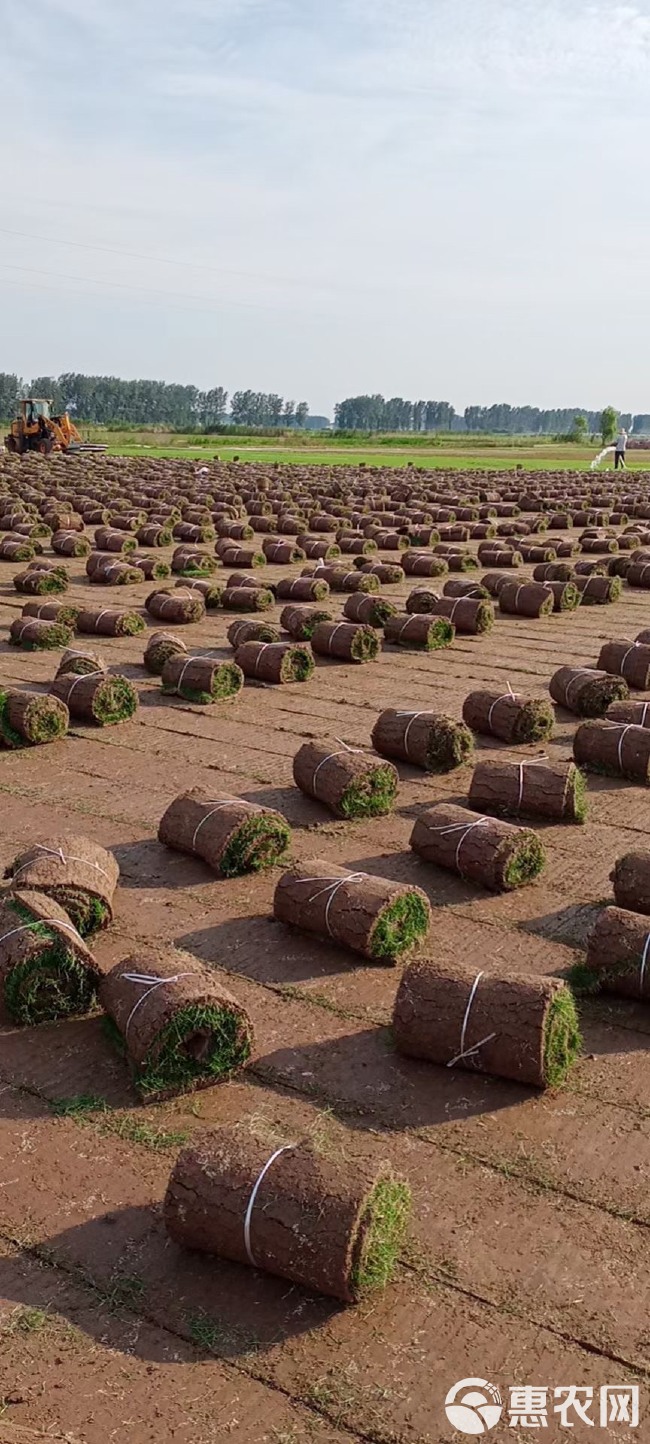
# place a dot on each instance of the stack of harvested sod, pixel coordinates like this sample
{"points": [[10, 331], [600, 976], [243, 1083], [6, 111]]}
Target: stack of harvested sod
{"points": [[509, 1024], [96, 697], [177, 607], [336, 579], [348, 641], [80, 663], [427, 633], [618, 956], [200, 680], [300, 622], [614, 749], [372, 611], [160, 647], [37, 583], [78, 874], [334, 1227], [525, 599], [480, 849], [586, 691], [555, 791], [425, 739], [178, 1028], [35, 635], [509, 716], [231, 835], [240, 632], [28, 719], [346, 780], [382, 920], [110, 622], [275, 662], [630, 660], [46, 970]]}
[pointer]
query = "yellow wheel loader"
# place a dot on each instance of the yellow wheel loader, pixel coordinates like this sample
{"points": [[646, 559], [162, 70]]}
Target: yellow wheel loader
{"points": [[35, 429]]}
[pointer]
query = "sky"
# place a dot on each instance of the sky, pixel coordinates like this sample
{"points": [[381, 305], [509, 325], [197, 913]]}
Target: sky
{"points": [[440, 199]]}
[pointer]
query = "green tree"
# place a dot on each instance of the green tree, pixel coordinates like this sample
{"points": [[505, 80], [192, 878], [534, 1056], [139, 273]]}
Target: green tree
{"points": [[608, 425], [580, 429]]}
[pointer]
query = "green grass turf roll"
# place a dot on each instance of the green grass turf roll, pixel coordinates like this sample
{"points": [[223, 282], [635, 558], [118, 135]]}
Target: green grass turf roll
{"points": [[430, 740], [46, 970], [232, 836], [349, 782]]}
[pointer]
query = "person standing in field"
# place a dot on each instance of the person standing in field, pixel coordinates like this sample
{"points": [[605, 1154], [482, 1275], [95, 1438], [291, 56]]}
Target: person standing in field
{"points": [[620, 448]]}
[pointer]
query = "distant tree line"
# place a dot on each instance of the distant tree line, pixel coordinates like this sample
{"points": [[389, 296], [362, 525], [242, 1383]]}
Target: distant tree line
{"points": [[106, 400], [374, 413]]}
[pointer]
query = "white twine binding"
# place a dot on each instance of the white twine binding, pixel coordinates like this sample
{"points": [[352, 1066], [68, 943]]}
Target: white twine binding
{"points": [[155, 982], [216, 807], [505, 697], [58, 852], [332, 885], [286, 1147], [342, 753], [414, 717], [473, 1051], [460, 827], [333, 634], [581, 672], [644, 963], [49, 922], [183, 671]]}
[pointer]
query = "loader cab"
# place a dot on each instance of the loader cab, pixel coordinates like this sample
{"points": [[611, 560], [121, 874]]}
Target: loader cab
{"points": [[33, 410]]}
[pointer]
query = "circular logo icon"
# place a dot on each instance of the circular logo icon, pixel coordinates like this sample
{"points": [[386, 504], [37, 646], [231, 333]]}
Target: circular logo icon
{"points": [[473, 1406]]}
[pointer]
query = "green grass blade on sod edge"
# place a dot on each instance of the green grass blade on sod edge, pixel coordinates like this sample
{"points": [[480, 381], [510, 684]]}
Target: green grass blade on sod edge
{"points": [[526, 862], [372, 794], [399, 927], [115, 700], [49, 986], [562, 1040], [450, 745], [88, 912], [44, 723], [200, 1042], [382, 1231], [259, 842]]}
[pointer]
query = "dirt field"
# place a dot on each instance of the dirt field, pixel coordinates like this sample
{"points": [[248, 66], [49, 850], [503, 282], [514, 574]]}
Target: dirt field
{"points": [[528, 1259]]}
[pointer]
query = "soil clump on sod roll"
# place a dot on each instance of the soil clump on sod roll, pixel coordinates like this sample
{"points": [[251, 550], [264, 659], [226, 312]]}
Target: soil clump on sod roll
{"points": [[46, 969], [347, 781], [586, 691], [531, 788], [618, 956], [28, 719], [160, 647], [277, 663], [425, 739], [332, 1226], [631, 881], [380, 919], [200, 680], [426, 633], [300, 622], [614, 749], [178, 1028], [110, 622], [75, 872], [485, 850], [231, 835], [96, 697], [511, 1025], [346, 641], [509, 716]]}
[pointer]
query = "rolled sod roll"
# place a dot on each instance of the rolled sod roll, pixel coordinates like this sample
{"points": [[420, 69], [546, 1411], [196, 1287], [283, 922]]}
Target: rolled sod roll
{"points": [[300, 622], [468, 616], [494, 581], [160, 647], [44, 564], [200, 680], [372, 611], [34, 635], [598, 544], [96, 697], [275, 662], [347, 781], [455, 587], [154, 569], [529, 789], [63, 612], [425, 739], [16, 549], [177, 607], [46, 969], [586, 691], [337, 579], [618, 956], [281, 553], [235, 530], [247, 599], [318, 550], [630, 660], [75, 872], [110, 622], [512, 1025], [638, 574], [333, 1227], [428, 633], [112, 573], [380, 919], [231, 835], [590, 569], [636, 712], [553, 572], [491, 555], [532, 553], [614, 749], [423, 564], [154, 536], [240, 632], [188, 562], [177, 1027], [566, 596], [347, 641], [40, 583], [509, 716], [186, 531], [108, 540], [28, 718], [525, 599], [480, 849], [618, 566], [80, 663], [420, 601], [597, 591], [70, 544], [210, 591], [631, 879], [387, 573], [242, 579], [234, 556]]}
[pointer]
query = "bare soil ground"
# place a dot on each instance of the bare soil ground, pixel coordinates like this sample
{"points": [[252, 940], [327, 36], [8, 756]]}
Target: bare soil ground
{"points": [[528, 1260]]}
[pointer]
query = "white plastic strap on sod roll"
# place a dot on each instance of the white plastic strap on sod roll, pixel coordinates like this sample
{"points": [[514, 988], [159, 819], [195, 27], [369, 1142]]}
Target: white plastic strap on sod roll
{"points": [[263, 647], [537, 762], [59, 853], [630, 649], [332, 885], [42, 922], [105, 613], [183, 671], [333, 634], [646, 706], [414, 717], [464, 828], [582, 672], [473, 1051], [508, 696], [644, 963], [344, 750], [286, 1147], [621, 740], [216, 807], [151, 982], [83, 677]]}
